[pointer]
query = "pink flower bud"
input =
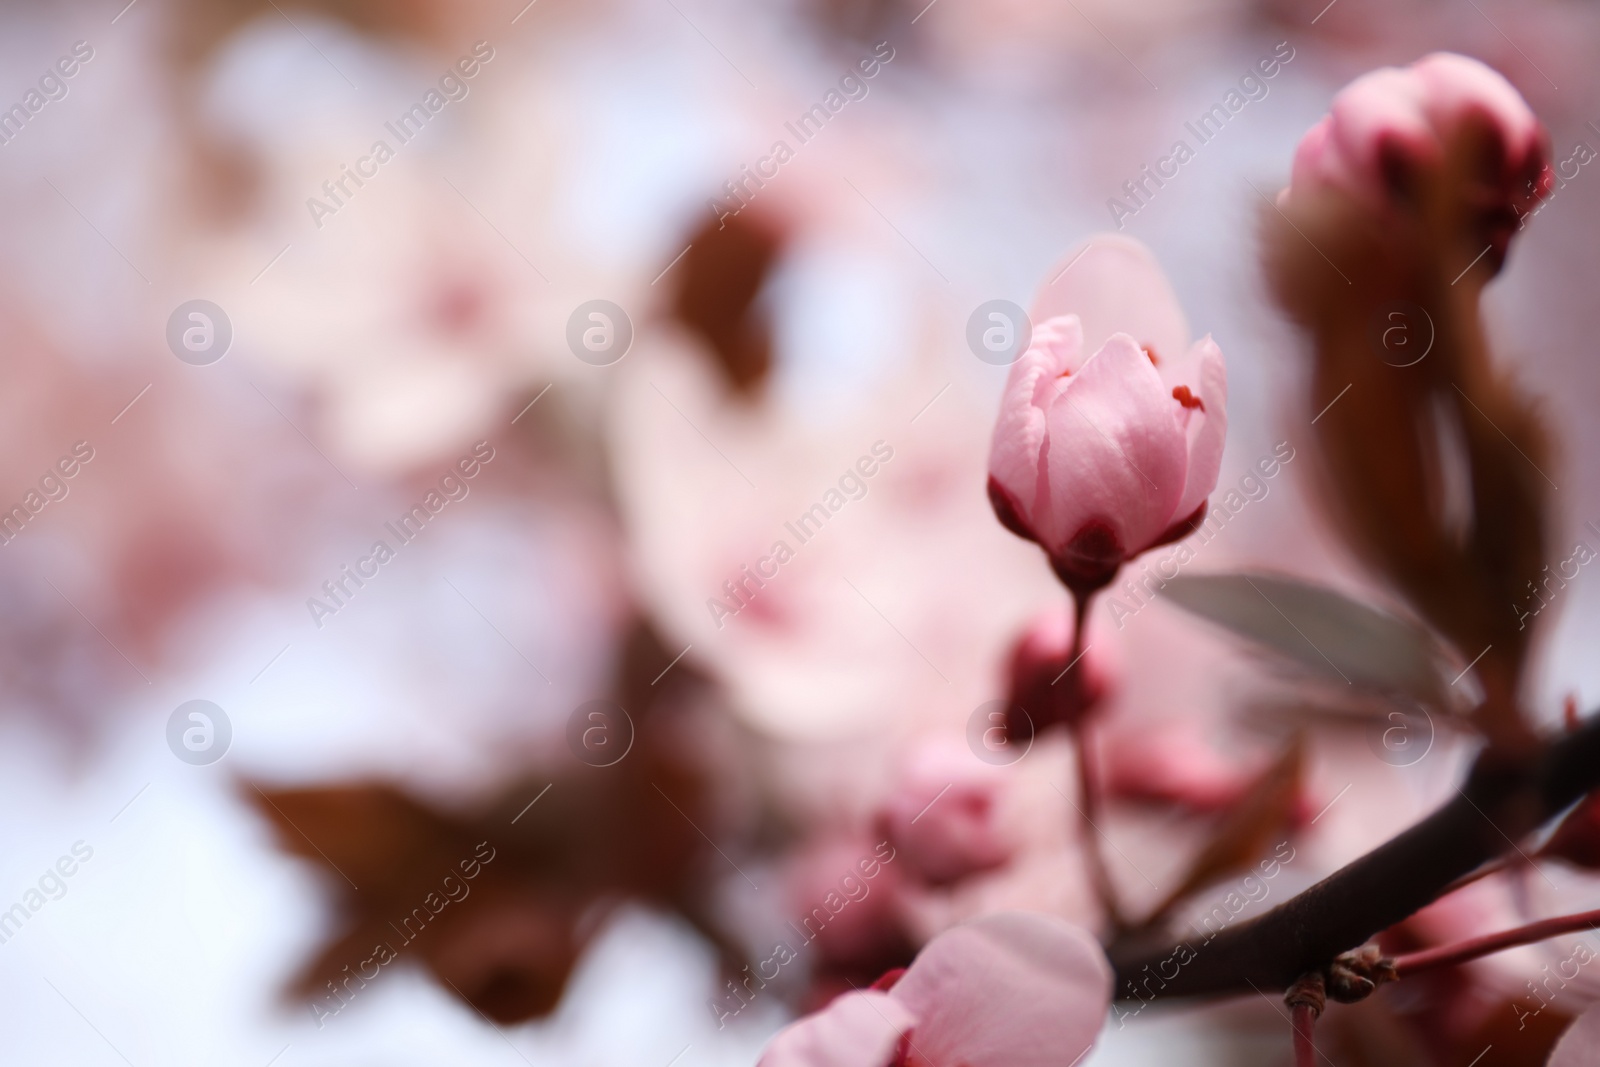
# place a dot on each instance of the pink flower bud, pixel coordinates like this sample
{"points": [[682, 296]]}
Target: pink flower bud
{"points": [[1172, 762], [1101, 453], [943, 815], [1044, 691], [1391, 127]]}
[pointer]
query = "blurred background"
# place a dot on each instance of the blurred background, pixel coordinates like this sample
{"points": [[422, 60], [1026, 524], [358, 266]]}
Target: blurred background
{"points": [[573, 307]]}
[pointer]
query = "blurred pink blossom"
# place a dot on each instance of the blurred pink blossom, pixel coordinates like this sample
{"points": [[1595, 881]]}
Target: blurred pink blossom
{"points": [[1391, 123], [1008, 990], [943, 815], [807, 656], [845, 890], [1172, 764], [1450, 1007]]}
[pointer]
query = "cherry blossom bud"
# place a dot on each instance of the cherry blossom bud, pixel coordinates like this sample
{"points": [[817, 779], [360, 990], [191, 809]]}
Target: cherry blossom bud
{"points": [[1391, 128], [943, 817], [1101, 453], [1172, 762], [1047, 687], [1007, 990]]}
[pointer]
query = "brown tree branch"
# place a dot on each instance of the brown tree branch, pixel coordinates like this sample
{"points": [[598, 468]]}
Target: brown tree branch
{"points": [[1499, 804]]}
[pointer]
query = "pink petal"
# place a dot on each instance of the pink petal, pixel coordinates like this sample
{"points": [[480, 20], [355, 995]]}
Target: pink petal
{"points": [[1455, 85], [1207, 430], [1061, 341], [1007, 990], [1021, 430], [1115, 285], [856, 1030], [1383, 105], [1116, 451], [1313, 157], [1580, 1045], [1415, 109]]}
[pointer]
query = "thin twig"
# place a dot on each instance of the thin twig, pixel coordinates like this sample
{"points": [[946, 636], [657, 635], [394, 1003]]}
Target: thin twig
{"points": [[1466, 951], [1302, 1018], [1306, 999]]}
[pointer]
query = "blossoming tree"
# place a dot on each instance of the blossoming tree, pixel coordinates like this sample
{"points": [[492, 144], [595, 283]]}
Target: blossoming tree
{"points": [[1404, 201]]}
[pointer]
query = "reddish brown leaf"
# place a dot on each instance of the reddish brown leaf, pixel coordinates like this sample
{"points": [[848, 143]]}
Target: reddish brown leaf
{"points": [[499, 902], [727, 263], [1247, 830]]}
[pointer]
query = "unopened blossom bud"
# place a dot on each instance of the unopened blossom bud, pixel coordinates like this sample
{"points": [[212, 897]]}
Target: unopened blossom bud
{"points": [[1103, 452], [943, 817], [1392, 129], [1050, 684]]}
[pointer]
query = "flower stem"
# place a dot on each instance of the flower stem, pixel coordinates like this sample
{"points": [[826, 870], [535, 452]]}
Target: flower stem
{"points": [[1465, 951], [1305, 1053], [1088, 805], [1306, 999]]}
